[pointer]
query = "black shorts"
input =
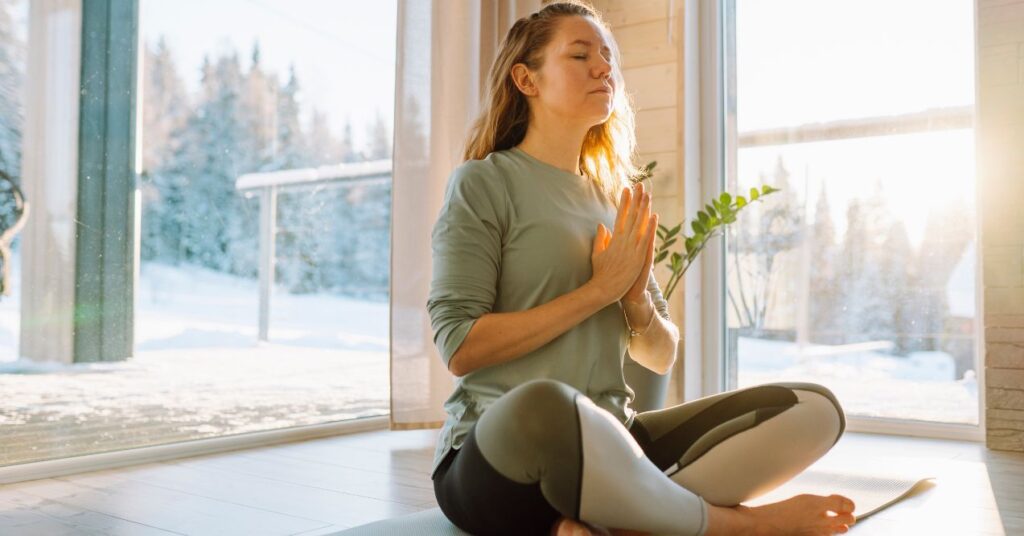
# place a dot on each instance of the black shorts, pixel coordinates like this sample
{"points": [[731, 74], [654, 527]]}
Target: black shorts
{"points": [[482, 502]]}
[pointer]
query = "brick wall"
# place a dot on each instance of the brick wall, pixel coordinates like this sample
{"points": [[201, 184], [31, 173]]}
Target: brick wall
{"points": [[999, 128]]}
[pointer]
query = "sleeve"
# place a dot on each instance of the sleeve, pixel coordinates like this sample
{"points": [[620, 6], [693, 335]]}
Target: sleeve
{"points": [[466, 256], [660, 304]]}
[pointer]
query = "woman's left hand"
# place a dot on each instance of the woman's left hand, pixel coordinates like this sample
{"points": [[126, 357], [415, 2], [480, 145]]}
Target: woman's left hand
{"points": [[635, 294]]}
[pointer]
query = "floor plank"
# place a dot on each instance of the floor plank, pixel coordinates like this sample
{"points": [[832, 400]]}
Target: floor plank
{"points": [[319, 487]]}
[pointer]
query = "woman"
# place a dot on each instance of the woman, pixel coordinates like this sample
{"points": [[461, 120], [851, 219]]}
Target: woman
{"points": [[541, 282]]}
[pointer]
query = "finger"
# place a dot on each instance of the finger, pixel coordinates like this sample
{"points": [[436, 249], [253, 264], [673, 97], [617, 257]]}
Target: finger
{"points": [[599, 239], [640, 221], [629, 229], [651, 233], [648, 210], [624, 204]]}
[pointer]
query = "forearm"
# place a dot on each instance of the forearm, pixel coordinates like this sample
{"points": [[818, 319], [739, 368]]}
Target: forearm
{"points": [[656, 348], [499, 337]]}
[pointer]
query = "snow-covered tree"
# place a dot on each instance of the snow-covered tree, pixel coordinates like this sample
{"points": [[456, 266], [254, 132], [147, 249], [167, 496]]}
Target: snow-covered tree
{"points": [[379, 139], [12, 75], [330, 237], [866, 314], [755, 242], [825, 293], [165, 110]]}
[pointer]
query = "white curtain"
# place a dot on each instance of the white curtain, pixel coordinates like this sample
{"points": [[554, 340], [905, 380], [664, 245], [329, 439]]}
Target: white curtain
{"points": [[445, 49]]}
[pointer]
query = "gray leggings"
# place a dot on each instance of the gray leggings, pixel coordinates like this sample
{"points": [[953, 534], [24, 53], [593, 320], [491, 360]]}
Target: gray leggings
{"points": [[545, 450]]}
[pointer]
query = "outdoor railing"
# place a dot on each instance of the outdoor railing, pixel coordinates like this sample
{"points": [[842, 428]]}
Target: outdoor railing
{"points": [[268, 185]]}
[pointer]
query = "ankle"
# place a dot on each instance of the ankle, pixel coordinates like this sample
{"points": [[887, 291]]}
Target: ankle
{"points": [[729, 521]]}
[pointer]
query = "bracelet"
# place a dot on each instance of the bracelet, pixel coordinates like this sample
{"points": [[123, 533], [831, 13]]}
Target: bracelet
{"points": [[635, 333]]}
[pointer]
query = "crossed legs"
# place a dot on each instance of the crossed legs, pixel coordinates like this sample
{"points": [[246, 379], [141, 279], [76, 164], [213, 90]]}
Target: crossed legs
{"points": [[544, 450]]}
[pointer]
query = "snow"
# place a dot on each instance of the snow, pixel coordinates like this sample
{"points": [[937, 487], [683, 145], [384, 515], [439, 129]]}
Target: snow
{"points": [[867, 383], [191, 307], [199, 372]]}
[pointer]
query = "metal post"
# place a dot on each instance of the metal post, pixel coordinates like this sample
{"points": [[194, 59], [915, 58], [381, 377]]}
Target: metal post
{"points": [[268, 231]]}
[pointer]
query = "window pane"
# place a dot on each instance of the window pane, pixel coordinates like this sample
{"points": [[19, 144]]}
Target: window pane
{"points": [[13, 50], [229, 88], [264, 89], [860, 273]]}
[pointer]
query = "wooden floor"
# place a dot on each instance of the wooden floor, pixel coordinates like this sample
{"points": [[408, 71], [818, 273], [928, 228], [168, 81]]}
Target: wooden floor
{"points": [[321, 486]]}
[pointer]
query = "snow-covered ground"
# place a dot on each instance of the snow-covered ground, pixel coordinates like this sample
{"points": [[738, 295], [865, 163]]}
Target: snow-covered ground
{"points": [[867, 383], [198, 371], [189, 308]]}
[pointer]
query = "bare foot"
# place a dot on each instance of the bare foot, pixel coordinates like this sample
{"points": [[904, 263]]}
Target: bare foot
{"points": [[803, 515]]}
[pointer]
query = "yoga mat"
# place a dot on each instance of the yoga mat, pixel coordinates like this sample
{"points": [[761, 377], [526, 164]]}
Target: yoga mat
{"points": [[872, 489]]}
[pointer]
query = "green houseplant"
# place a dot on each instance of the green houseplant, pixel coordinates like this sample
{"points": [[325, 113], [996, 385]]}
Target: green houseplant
{"points": [[710, 222], [650, 388]]}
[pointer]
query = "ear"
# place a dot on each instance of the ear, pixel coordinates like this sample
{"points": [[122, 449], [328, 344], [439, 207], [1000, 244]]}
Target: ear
{"points": [[524, 80]]}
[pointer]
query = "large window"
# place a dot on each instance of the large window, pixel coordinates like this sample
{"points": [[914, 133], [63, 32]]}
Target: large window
{"points": [[13, 50], [246, 108], [860, 274]]}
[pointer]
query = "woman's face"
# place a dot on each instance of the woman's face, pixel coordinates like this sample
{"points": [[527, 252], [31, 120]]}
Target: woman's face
{"points": [[577, 80]]}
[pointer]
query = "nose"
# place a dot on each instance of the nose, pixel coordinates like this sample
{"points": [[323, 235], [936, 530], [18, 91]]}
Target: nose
{"points": [[604, 70]]}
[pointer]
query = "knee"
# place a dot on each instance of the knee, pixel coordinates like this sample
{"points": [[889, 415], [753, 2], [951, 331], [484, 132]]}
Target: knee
{"points": [[825, 399], [539, 408]]}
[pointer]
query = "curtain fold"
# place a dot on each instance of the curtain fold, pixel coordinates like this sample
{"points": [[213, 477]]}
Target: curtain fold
{"points": [[444, 51]]}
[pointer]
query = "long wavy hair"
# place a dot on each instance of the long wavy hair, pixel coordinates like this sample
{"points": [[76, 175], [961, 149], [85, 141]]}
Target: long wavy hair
{"points": [[608, 148]]}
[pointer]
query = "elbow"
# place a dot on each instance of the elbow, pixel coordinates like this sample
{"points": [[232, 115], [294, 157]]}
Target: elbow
{"points": [[455, 364], [668, 365]]}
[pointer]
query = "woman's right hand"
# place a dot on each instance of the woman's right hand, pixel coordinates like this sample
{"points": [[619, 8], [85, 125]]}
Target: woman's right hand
{"points": [[619, 255]]}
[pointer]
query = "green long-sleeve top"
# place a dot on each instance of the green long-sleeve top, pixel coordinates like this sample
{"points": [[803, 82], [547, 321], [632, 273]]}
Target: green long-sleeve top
{"points": [[515, 233]]}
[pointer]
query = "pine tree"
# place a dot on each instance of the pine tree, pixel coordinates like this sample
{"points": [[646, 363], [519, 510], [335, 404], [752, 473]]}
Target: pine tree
{"points": [[164, 114], [866, 313], [322, 147], [824, 292], [12, 76], [218, 229], [379, 144], [895, 283], [290, 142], [260, 105], [948, 231], [347, 143]]}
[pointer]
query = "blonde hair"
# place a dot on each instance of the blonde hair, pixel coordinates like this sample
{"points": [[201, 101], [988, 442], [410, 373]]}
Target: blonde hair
{"points": [[608, 148]]}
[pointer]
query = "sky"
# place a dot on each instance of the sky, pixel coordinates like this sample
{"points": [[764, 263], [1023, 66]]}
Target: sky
{"points": [[808, 61], [343, 50], [797, 61]]}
